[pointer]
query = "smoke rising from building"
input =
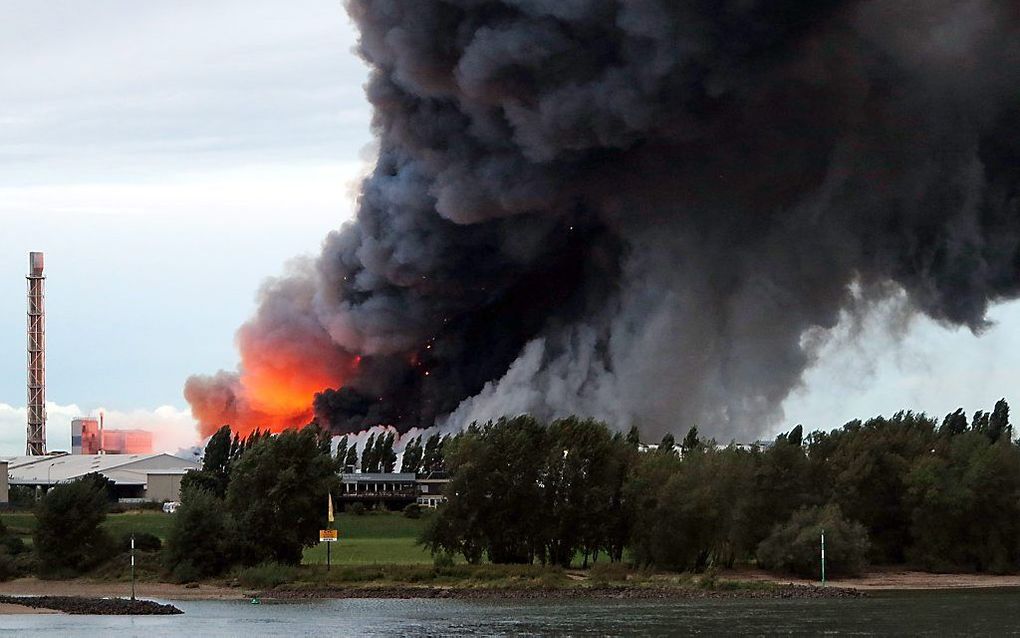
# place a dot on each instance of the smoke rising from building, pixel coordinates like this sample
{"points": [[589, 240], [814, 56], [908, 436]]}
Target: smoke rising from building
{"points": [[638, 210]]}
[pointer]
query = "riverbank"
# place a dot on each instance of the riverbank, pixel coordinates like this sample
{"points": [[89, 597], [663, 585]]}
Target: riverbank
{"points": [[562, 593], [572, 584], [889, 579]]}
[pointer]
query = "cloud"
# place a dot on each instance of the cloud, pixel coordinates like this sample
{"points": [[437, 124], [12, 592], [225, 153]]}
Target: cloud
{"points": [[128, 89], [172, 429]]}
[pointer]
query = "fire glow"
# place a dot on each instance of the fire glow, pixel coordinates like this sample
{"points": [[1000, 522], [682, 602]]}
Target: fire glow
{"points": [[274, 388]]}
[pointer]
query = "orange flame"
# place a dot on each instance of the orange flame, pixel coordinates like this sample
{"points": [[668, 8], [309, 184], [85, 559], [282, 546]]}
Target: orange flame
{"points": [[274, 388]]}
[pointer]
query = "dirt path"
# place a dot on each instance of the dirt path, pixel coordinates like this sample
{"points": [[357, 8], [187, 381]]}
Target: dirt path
{"points": [[890, 579], [165, 591]]}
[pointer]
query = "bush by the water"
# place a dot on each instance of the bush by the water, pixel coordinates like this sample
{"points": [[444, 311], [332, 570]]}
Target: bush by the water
{"points": [[199, 539], [15, 559], [266, 575], [68, 538], [795, 546]]}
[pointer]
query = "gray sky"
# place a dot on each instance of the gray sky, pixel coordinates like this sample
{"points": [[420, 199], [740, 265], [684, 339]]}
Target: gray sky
{"points": [[170, 156]]}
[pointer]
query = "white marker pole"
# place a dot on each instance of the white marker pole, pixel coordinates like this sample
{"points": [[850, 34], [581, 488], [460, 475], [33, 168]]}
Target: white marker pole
{"points": [[823, 558], [132, 567]]}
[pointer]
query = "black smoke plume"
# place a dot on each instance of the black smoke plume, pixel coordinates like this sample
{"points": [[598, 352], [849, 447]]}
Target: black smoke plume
{"points": [[637, 209]]}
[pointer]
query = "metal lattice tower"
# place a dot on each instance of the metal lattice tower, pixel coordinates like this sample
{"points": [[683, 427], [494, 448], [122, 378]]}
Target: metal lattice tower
{"points": [[36, 443]]}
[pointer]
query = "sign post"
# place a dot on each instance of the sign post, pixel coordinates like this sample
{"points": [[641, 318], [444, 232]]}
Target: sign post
{"points": [[328, 536], [823, 558]]}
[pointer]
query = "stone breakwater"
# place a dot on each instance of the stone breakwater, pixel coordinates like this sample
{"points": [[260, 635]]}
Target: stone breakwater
{"points": [[93, 606], [648, 593]]}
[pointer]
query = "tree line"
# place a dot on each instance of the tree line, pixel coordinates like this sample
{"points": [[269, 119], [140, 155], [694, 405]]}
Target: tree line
{"points": [[909, 489], [255, 500], [938, 495], [377, 454]]}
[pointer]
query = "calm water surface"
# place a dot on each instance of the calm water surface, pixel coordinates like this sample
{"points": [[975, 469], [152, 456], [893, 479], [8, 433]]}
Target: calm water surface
{"points": [[922, 613]]}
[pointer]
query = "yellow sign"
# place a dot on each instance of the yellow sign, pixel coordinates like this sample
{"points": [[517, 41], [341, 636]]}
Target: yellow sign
{"points": [[328, 536]]}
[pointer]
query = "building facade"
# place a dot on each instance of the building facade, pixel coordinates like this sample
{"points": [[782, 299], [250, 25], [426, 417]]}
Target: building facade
{"points": [[393, 490], [135, 477], [88, 436]]}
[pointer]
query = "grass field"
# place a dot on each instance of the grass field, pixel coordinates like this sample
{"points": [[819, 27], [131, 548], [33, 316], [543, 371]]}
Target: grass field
{"points": [[372, 538], [158, 523]]}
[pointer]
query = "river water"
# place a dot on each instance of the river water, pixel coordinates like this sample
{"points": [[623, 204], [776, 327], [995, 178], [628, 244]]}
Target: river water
{"points": [[982, 612]]}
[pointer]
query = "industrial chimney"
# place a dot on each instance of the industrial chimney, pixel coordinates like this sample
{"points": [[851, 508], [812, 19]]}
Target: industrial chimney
{"points": [[36, 442]]}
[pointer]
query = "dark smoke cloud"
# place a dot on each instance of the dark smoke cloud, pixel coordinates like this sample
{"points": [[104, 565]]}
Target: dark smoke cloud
{"points": [[638, 209]]}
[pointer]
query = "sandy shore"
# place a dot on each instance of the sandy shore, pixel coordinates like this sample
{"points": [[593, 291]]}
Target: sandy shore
{"points": [[890, 579], [165, 591], [7, 609]]}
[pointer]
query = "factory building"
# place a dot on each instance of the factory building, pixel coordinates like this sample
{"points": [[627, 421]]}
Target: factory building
{"points": [[136, 477], [88, 436]]}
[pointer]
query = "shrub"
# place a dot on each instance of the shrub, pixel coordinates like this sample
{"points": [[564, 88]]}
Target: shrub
{"points": [[793, 546], [199, 537], [413, 510], [266, 575], [442, 560], [144, 541], [15, 565], [68, 538], [22, 497], [605, 572], [358, 509]]}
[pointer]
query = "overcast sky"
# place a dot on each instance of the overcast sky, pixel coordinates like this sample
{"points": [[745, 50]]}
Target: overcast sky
{"points": [[169, 156]]}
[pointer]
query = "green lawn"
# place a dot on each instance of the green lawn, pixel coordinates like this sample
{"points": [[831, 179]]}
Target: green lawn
{"points": [[158, 523], [373, 538]]}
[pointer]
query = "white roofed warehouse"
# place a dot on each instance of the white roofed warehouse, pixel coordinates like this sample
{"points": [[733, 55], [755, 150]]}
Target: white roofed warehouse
{"points": [[136, 477]]}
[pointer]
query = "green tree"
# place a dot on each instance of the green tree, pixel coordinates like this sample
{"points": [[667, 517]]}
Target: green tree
{"points": [[341, 450], [954, 423], [387, 457], [794, 546], [633, 437], [215, 473], [368, 454], [691, 441], [199, 543], [578, 488], [277, 495], [796, 436], [668, 444], [431, 458], [494, 496], [69, 538], [411, 460], [979, 423], [998, 423], [351, 462]]}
